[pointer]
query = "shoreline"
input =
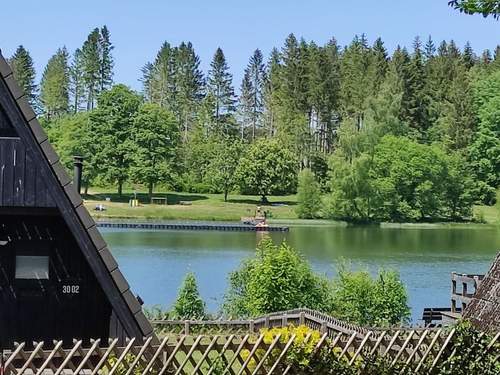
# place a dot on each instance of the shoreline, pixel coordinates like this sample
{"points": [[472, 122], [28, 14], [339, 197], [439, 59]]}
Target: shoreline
{"points": [[297, 223]]}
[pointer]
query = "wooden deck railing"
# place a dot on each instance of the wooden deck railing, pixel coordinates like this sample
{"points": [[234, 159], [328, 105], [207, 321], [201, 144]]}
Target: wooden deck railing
{"points": [[460, 297], [311, 318]]}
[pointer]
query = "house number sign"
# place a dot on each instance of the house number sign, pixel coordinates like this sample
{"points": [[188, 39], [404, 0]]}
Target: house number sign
{"points": [[71, 289]]}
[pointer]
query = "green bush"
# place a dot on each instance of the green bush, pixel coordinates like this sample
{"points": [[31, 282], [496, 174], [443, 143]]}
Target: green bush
{"points": [[189, 304], [277, 278], [308, 195], [361, 299]]}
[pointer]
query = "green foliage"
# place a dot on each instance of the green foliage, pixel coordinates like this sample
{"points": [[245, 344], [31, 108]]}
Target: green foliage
{"points": [[277, 278], [24, 72], [485, 149], [361, 299], [155, 133], [484, 7], [111, 128], [226, 153], [308, 195], [471, 354], [189, 304], [220, 86], [267, 168], [71, 136], [54, 87], [400, 180]]}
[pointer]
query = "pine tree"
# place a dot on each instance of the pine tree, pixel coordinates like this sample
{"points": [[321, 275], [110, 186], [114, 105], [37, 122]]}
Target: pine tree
{"points": [[106, 63], [24, 73], [456, 125], [77, 84], [468, 56], [220, 86], [416, 111], [486, 57], [430, 49], [189, 85], [379, 63], [189, 304], [323, 93], [245, 107], [252, 93], [357, 82], [54, 87], [91, 67], [271, 90]]}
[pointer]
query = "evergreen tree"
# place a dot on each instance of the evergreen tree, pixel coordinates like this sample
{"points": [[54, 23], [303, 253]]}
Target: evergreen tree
{"points": [[430, 49], [245, 107], [416, 112], [271, 90], [189, 85], [24, 73], [456, 125], [379, 63], [54, 87], [220, 86], [77, 84], [91, 67], [468, 56], [257, 78], [189, 304], [106, 59], [357, 78], [158, 79]]}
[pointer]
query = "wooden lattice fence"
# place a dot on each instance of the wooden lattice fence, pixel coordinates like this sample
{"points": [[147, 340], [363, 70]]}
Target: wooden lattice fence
{"points": [[410, 351]]}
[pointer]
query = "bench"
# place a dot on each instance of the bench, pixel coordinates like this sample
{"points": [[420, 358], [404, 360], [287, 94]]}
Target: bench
{"points": [[159, 200]]}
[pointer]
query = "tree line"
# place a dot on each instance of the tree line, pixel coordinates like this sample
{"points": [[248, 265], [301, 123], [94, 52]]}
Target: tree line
{"points": [[410, 135]]}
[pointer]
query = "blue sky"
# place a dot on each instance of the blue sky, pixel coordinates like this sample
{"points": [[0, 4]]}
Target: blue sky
{"points": [[139, 27]]}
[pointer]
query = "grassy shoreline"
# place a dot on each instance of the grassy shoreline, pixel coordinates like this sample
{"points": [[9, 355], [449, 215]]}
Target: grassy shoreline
{"points": [[211, 207]]}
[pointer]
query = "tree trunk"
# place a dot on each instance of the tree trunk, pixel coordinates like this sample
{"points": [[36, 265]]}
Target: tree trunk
{"points": [[226, 193], [120, 188], [150, 191]]}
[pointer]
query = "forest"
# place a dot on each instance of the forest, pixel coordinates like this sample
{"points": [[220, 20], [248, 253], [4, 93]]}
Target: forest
{"points": [[360, 133]]}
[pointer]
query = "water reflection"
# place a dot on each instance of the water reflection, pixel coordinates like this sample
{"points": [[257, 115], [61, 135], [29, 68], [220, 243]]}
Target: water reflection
{"points": [[155, 262]]}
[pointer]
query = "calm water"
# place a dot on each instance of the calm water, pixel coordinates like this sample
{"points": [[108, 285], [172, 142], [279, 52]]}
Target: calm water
{"points": [[155, 262]]}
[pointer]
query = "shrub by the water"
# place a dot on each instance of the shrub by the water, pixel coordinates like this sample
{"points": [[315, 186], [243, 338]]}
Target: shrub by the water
{"points": [[308, 195], [361, 299], [277, 278], [189, 304]]}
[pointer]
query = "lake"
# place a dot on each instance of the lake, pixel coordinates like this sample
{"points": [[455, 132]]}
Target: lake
{"points": [[155, 262]]}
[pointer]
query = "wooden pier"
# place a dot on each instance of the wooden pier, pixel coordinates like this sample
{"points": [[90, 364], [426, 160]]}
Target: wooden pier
{"points": [[191, 226]]}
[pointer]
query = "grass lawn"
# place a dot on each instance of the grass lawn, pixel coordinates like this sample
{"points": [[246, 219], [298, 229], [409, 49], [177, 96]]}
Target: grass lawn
{"points": [[206, 207], [211, 207]]}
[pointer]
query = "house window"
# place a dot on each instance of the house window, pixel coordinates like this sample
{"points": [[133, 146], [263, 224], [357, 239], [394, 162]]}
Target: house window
{"points": [[32, 267]]}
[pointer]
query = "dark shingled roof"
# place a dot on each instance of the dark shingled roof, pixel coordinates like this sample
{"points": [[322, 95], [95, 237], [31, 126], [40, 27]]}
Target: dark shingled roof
{"points": [[123, 302], [484, 309]]}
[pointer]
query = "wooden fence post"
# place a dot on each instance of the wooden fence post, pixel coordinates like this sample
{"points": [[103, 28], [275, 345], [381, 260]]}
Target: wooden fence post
{"points": [[266, 322], [302, 318], [252, 326], [186, 327], [324, 327], [284, 320]]}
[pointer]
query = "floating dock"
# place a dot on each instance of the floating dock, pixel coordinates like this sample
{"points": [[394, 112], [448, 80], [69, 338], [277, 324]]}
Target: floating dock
{"points": [[186, 226]]}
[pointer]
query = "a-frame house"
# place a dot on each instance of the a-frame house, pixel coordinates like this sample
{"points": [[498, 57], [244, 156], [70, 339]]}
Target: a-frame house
{"points": [[58, 280], [484, 309]]}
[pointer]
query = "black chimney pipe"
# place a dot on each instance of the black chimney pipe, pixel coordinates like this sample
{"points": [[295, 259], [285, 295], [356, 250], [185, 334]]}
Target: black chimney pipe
{"points": [[78, 163]]}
